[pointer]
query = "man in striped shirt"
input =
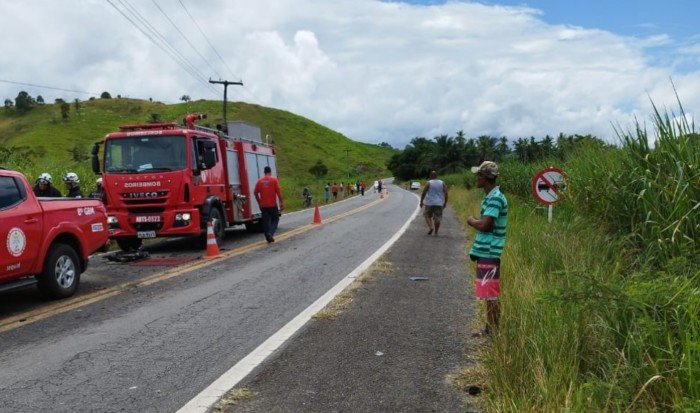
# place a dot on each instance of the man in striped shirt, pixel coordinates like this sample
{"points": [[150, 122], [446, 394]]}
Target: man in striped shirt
{"points": [[489, 241]]}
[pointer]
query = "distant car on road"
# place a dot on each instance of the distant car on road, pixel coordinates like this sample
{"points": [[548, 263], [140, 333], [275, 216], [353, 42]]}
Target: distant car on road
{"points": [[415, 185]]}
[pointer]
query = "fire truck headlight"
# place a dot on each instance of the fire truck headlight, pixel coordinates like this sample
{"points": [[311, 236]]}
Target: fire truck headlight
{"points": [[185, 216], [182, 219]]}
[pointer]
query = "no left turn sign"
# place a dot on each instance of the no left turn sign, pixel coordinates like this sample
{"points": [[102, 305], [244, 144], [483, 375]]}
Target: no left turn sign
{"points": [[548, 184]]}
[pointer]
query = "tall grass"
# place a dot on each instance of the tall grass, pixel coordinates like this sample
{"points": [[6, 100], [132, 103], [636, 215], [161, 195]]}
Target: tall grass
{"points": [[32, 168], [601, 308], [649, 193]]}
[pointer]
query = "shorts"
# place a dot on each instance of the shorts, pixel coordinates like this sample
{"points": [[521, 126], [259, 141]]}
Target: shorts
{"points": [[434, 212], [488, 273]]}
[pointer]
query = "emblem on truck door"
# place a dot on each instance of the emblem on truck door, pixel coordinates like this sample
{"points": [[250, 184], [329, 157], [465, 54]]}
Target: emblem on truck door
{"points": [[16, 242]]}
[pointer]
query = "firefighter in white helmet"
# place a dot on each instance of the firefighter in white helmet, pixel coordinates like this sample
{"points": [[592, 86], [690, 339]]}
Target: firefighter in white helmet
{"points": [[73, 185], [98, 193], [45, 188]]}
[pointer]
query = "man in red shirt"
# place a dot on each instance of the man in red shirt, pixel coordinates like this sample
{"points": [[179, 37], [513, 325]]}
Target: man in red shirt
{"points": [[267, 192], [334, 189]]}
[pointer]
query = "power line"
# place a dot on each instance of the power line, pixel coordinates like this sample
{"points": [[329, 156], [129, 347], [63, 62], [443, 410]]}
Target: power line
{"points": [[49, 87], [174, 51], [254, 98], [148, 30], [206, 38], [250, 93], [181, 61], [160, 46], [185, 38]]}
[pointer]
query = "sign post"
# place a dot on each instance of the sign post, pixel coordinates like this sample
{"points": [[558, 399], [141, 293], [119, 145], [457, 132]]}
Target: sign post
{"points": [[547, 187]]}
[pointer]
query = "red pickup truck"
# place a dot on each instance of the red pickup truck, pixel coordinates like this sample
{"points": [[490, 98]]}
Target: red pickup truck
{"points": [[49, 238]]}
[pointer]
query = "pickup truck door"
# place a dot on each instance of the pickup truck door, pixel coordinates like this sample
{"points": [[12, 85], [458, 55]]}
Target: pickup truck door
{"points": [[20, 228]]}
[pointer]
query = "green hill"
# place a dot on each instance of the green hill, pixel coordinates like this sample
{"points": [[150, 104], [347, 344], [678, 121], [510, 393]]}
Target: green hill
{"points": [[51, 140]]}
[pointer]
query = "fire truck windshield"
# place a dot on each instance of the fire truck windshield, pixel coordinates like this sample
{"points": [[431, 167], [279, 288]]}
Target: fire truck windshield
{"points": [[145, 154]]}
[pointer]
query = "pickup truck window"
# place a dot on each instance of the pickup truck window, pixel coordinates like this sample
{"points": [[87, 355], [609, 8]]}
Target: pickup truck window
{"points": [[11, 192]]}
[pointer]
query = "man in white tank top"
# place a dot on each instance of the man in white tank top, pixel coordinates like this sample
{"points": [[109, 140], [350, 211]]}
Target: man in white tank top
{"points": [[434, 197]]}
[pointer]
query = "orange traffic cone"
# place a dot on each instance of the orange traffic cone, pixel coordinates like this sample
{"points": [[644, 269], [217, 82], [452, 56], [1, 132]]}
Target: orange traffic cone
{"points": [[212, 246], [317, 216]]}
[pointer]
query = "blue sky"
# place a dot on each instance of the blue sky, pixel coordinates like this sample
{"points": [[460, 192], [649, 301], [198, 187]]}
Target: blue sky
{"points": [[373, 70], [677, 19]]}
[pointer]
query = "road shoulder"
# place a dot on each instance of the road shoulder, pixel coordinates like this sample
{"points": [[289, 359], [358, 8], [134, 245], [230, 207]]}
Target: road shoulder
{"points": [[392, 348]]}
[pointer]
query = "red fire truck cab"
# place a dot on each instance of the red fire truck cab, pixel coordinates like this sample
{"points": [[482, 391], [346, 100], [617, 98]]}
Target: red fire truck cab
{"points": [[165, 180]]}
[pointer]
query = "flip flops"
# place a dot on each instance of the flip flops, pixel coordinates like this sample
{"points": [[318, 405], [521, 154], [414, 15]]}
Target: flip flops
{"points": [[486, 332]]}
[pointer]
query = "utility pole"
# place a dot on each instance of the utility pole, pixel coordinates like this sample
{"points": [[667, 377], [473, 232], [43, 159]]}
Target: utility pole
{"points": [[347, 164], [225, 83]]}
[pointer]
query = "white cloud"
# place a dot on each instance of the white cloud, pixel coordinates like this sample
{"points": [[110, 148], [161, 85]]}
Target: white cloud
{"points": [[375, 71]]}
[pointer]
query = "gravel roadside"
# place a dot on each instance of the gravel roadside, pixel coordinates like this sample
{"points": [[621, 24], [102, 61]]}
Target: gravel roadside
{"points": [[392, 348]]}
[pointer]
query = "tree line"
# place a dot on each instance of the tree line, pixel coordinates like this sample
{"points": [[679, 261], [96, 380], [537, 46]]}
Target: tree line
{"points": [[24, 102], [453, 154]]}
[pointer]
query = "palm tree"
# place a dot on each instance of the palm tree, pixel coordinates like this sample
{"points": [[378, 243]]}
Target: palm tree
{"points": [[521, 149], [502, 148], [447, 154], [486, 146]]}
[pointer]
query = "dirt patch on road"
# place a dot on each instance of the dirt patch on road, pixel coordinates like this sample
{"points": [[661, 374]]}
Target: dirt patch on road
{"points": [[343, 300]]}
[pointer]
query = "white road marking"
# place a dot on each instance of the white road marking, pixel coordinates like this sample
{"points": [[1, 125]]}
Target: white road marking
{"points": [[209, 396]]}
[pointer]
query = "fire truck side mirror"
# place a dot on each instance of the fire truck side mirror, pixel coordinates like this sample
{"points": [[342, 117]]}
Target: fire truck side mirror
{"points": [[96, 158], [209, 154]]}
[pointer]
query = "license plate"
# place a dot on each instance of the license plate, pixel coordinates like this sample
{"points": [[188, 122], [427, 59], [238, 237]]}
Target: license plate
{"points": [[146, 234], [147, 219]]}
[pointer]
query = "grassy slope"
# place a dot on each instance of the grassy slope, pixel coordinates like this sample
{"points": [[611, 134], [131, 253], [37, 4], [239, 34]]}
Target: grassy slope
{"points": [[301, 142]]}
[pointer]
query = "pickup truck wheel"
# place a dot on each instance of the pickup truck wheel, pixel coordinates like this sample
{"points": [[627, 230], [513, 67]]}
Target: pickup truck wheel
{"points": [[129, 244], [61, 274]]}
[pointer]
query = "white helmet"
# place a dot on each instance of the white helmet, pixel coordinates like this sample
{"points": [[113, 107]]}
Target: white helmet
{"points": [[71, 177], [44, 178], [99, 181]]}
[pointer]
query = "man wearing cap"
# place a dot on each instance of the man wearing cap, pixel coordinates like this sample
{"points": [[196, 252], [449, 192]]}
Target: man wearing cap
{"points": [[434, 197], [489, 241]]}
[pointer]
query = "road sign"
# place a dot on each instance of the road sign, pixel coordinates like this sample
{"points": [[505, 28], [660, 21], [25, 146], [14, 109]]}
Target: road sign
{"points": [[548, 184]]}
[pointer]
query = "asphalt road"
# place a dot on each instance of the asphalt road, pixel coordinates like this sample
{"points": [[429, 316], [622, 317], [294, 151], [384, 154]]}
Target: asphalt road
{"points": [[393, 348], [152, 346]]}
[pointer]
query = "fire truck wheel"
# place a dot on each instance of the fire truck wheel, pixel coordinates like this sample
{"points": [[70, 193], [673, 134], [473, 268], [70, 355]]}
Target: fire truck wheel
{"points": [[254, 226], [61, 274], [129, 244], [217, 225]]}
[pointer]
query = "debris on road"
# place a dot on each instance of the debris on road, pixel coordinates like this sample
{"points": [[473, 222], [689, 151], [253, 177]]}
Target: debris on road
{"points": [[127, 256]]}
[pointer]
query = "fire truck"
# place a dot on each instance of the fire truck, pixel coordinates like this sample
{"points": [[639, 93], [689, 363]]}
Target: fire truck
{"points": [[170, 180]]}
